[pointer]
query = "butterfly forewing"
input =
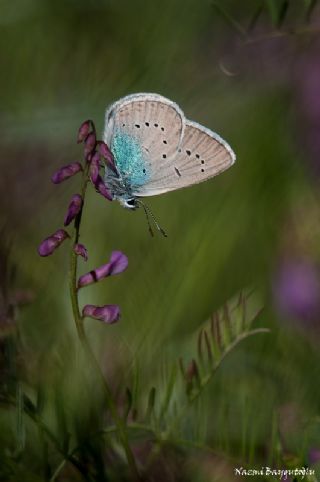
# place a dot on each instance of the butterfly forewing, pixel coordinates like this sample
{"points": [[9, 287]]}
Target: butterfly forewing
{"points": [[144, 131], [202, 154]]}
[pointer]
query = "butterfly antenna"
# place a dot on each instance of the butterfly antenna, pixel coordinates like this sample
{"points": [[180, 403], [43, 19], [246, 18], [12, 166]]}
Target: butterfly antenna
{"points": [[149, 214], [147, 217]]}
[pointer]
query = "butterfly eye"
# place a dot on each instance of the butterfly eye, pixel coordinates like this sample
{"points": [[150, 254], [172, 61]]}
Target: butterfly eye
{"points": [[130, 203]]}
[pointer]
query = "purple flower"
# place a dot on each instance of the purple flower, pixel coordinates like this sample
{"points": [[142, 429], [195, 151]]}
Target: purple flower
{"points": [[297, 290], [73, 209], [107, 313], [84, 130], [81, 250], [117, 264], [65, 172], [90, 144], [51, 243]]}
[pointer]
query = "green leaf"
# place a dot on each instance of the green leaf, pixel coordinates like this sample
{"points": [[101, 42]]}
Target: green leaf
{"points": [[272, 6], [208, 345], [278, 11], [21, 431], [128, 404], [169, 391], [282, 12], [309, 6], [151, 402], [255, 17]]}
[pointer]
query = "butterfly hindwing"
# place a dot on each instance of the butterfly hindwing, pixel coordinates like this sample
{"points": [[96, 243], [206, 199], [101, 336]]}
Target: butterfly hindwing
{"points": [[201, 155]]}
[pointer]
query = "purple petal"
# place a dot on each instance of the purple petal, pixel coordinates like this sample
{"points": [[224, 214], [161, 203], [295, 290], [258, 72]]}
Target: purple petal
{"points": [[118, 261], [117, 264], [51, 243], [81, 250], [65, 172], [90, 144], [73, 209], [84, 130], [107, 313]]}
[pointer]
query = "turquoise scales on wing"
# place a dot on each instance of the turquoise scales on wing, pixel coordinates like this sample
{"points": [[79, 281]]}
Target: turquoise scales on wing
{"points": [[130, 159]]}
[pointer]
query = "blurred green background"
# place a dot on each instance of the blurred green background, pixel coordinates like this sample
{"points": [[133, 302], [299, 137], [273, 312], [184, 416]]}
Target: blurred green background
{"points": [[249, 71]]}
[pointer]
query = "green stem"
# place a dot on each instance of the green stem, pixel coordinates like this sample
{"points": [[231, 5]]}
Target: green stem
{"points": [[123, 436]]}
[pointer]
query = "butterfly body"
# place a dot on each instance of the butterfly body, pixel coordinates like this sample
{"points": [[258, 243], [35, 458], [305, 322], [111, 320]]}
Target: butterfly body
{"points": [[156, 149]]}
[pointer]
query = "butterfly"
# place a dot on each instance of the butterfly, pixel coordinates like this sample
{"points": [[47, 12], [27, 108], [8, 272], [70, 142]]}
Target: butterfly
{"points": [[157, 150]]}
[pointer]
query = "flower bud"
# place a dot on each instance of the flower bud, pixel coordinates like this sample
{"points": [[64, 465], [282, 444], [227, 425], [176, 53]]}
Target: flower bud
{"points": [[89, 144], [84, 130], [102, 189], [65, 172], [94, 167], [73, 209], [81, 250], [117, 264], [107, 313], [106, 154], [51, 243]]}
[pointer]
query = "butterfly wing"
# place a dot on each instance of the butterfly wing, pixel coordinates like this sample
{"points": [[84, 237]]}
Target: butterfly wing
{"points": [[201, 155], [142, 130]]}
